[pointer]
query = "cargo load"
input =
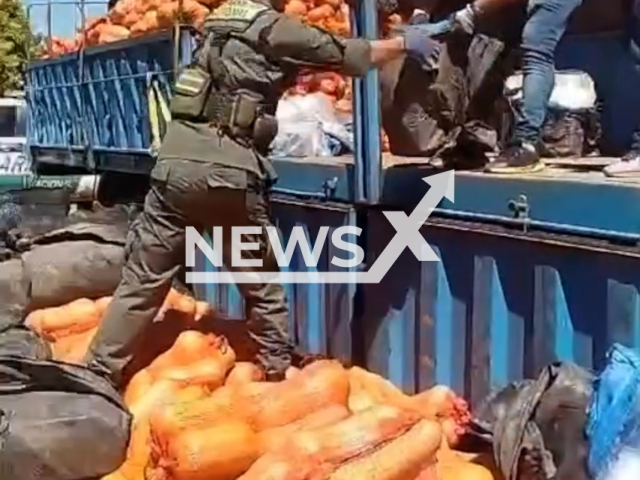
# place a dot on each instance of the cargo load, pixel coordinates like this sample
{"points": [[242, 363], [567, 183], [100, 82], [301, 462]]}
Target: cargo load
{"points": [[201, 411]]}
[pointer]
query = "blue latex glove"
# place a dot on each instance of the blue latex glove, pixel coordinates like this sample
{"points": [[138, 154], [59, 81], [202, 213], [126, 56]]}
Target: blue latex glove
{"points": [[419, 39], [419, 29]]}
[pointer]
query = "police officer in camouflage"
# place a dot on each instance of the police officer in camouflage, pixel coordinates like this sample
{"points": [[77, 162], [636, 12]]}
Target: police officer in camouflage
{"points": [[213, 167]]}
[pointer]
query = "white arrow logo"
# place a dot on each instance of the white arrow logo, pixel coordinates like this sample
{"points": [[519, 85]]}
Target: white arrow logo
{"points": [[408, 228], [407, 236]]}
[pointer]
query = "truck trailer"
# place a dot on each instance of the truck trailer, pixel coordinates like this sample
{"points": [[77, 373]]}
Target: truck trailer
{"points": [[533, 268]]}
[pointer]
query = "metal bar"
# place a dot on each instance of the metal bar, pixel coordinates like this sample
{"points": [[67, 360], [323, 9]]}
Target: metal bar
{"points": [[358, 120], [299, 193], [370, 88], [83, 95], [49, 25], [105, 79], [539, 225]]}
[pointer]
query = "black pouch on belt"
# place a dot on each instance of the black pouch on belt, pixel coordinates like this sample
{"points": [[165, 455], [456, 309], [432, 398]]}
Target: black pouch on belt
{"points": [[265, 130], [244, 113], [192, 91]]}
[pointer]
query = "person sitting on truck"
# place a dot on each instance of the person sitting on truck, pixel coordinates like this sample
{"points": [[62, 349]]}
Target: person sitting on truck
{"points": [[629, 164], [545, 25], [213, 168]]}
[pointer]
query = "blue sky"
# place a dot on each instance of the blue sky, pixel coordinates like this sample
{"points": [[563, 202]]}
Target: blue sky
{"points": [[65, 19]]}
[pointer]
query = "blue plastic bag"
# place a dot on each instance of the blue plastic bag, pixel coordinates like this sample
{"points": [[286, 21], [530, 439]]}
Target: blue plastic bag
{"points": [[613, 426]]}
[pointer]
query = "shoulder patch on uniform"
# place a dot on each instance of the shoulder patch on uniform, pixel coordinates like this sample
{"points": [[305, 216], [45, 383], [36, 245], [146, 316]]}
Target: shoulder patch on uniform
{"points": [[243, 10]]}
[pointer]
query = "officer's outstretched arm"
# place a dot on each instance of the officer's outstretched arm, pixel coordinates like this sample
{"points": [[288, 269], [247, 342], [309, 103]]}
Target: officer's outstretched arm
{"points": [[291, 41]]}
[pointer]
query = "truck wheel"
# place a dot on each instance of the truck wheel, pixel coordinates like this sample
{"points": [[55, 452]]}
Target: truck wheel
{"points": [[120, 188]]}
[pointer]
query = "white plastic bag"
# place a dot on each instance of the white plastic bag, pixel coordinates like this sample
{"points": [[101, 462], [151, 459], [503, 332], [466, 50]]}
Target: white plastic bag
{"points": [[573, 90], [308, 127], [627, 466]]}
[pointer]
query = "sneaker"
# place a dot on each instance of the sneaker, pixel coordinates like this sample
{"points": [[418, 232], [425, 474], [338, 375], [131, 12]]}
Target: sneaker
{"points": [[517, 159], [627, 166]]}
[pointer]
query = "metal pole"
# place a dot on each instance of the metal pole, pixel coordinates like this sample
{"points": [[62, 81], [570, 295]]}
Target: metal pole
{"points": [[49, 26]]}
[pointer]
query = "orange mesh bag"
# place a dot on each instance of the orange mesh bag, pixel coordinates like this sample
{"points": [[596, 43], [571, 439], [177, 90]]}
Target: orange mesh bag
{"points": [[360, 398], [117, 475], [102, 304], [455, 469], [428, 473], [179, 301], [72, 349], [137, 387], [315, 454], [280, 466], [203, 309], [73, 318], [220, 452], [209, 373], [113, 33], [138, 452], [171, 420], [359, 433], [403, 458], [291, 372], [379, 389], [140, 444], [320, 384], [453, 464], [442, 404], [192, 346], [148, 23], [161, 393], [245, 372], [277, 438]]}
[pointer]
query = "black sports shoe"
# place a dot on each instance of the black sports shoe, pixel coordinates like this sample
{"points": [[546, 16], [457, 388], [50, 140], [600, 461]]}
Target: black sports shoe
{"points": [[516, 159]]}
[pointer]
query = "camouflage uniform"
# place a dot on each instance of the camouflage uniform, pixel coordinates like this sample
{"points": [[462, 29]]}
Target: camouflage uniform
{"points": [[214, 171]]}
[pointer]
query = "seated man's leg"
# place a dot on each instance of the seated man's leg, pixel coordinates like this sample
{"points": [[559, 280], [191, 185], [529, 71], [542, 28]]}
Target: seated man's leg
{"points": [[546, 24], [629, 164]]}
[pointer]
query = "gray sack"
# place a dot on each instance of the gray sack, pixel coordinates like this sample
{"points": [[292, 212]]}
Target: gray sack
{"points": [[82, 260], [58, 421]]}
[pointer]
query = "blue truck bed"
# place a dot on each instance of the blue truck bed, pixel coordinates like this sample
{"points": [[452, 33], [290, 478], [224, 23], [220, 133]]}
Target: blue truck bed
{"points": [[90, 109]]}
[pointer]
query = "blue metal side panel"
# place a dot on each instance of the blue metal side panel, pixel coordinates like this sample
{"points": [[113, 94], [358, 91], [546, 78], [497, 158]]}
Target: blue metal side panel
{"points": [[98, 98], [496, 309], [585, 204], [320, 315]]}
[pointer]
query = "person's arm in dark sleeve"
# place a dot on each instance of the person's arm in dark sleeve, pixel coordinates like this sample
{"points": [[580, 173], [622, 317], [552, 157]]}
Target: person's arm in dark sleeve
{"points": [[466, 17], [291, 41]]}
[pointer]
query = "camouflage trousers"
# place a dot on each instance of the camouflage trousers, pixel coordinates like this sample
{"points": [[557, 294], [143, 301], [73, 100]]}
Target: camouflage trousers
{"points": [[202, 195]]}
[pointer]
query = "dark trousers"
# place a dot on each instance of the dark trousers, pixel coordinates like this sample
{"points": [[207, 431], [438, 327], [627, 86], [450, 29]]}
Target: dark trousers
{"points": [[546, 23], [201, 195]]}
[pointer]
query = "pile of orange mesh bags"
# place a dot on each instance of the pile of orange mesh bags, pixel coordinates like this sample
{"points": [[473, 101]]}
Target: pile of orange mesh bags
{"points": [[201, 414], [134, 18]]}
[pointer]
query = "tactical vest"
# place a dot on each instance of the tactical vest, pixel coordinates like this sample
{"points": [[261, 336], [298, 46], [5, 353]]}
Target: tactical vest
{"points": [[201, 91]]}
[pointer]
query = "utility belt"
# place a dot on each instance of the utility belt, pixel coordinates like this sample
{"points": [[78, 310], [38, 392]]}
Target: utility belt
{"points": [[239, 115]]}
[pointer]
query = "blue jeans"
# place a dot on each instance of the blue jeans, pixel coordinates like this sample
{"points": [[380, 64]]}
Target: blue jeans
{"points": [[546, 23]]}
